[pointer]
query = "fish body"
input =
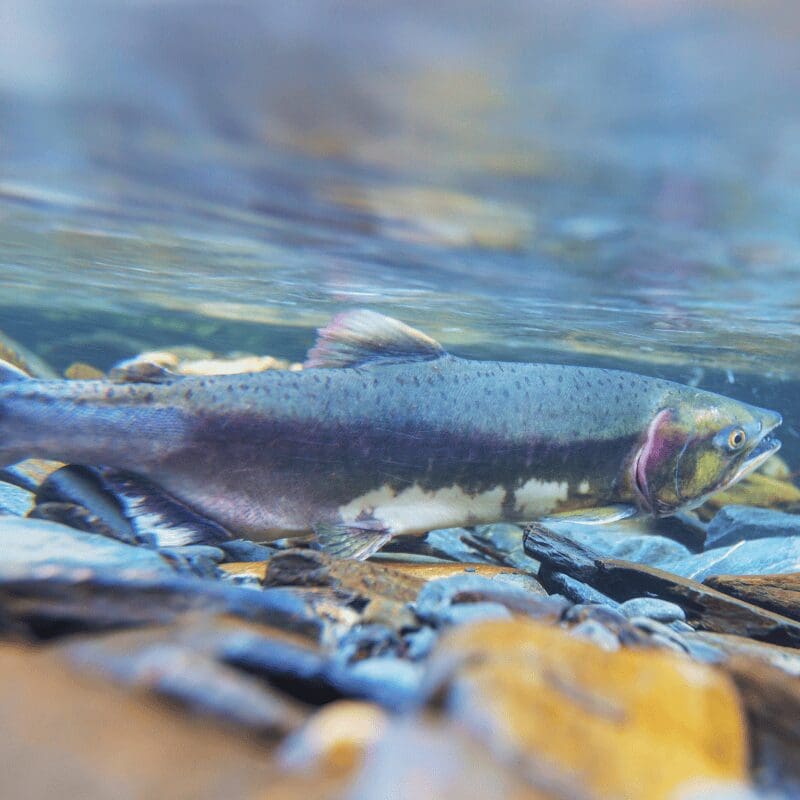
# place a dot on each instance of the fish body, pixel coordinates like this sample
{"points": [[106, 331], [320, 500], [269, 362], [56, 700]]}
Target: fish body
{"points": [[385, 433]]}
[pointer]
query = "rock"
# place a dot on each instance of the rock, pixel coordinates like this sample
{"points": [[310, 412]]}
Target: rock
{"points": [[78, 371], [179, 672], [421, 758], [29, 474], [772, 704], [577, 591], [463, 598], [49, 601], [501, 574], [242, 550], [631, 540], [753, 557], [335, 737], [361, 578], [733, 524], [623, 580], [254, 570], [589, 723], [28, 543], [726, 644], [593, 631], [75, 736], [14, 501], [757, 489], [779, 593], [659, 610]]}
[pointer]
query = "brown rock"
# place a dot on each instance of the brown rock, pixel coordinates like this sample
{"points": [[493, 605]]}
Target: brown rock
{"points": [[622, 580], [772, 702], [582, 722], [253, 569], [417, 758], [779, 593], [335, 738], [429, 572], [69, 736], [363, 578], [83, 372]]}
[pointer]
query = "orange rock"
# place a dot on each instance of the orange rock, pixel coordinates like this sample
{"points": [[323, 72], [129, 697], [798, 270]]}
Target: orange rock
{"points": [[632, 723]]}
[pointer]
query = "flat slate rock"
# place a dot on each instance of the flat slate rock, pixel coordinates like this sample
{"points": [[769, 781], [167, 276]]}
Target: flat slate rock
{"points": [[744, 523], [758, 556], [705, 607], [28, 543], [779, 593]]}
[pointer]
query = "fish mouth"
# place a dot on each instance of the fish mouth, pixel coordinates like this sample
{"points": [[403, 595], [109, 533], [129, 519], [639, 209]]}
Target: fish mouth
{"points": [[767, 447]]}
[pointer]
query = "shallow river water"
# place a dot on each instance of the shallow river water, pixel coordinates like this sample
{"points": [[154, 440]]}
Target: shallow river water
{"points": [[613, 183]]}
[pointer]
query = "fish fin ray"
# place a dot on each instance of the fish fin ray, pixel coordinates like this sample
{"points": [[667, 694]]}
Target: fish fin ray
{"points": [[602, 515], [354, 540], [10, 373], [158, 516], [362, 337]]}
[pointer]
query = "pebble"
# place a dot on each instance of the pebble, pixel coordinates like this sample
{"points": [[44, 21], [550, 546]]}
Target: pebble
{"points": [[660, 610], [578, 591], [594, 631], [242, 550]]}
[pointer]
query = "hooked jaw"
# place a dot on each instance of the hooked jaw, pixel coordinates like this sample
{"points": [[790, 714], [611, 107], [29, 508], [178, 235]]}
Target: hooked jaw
{"points": [[656, 447]]}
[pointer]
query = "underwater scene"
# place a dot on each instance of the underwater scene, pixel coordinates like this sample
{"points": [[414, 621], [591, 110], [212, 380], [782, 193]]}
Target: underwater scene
{"points": [[400, 399]]}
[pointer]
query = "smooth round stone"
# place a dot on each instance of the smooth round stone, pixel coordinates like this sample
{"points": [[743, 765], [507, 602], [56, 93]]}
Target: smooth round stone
{"points": [[598, 634], [659, 610]]}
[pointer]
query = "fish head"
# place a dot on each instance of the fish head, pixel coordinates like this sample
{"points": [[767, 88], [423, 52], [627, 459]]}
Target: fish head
{"points": [[700, 444]]}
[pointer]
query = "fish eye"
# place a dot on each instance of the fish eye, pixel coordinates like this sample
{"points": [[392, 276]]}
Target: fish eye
{"points": [[736, 439]]}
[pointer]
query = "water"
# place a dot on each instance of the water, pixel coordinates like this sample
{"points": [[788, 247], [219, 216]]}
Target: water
{"points": [[587, 182]]}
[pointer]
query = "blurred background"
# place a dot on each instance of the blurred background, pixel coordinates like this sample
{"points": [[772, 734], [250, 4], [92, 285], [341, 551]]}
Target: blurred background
{"points": [[609, 182]]}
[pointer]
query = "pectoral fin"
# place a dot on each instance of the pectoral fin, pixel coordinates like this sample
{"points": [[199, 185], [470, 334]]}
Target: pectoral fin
{"points": [[358, 540], [594, 516]]}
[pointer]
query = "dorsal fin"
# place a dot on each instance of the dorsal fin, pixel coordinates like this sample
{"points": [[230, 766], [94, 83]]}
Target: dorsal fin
{"points": [[366, 337], [9, 373]]}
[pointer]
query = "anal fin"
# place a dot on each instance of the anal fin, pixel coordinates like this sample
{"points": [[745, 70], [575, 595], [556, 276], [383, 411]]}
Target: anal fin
{"points": [[357, 540]]}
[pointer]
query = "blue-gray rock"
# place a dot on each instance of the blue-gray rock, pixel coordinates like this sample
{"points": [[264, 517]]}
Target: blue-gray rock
{"points": [[420, 643], [188, 676], [468, 597], [242, 550], [652, 607], [578, 591], [616, 541], [593, 631], [27, 543], [756, 557], [14, 501], [734, 524]]}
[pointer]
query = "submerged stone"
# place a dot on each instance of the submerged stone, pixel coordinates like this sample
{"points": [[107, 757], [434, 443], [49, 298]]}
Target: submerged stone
{"points": [[733, 524], [181, 673], [779, 593], [14, 501], [769, 556], [528, 690], [659, 610], [29, 543]]}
